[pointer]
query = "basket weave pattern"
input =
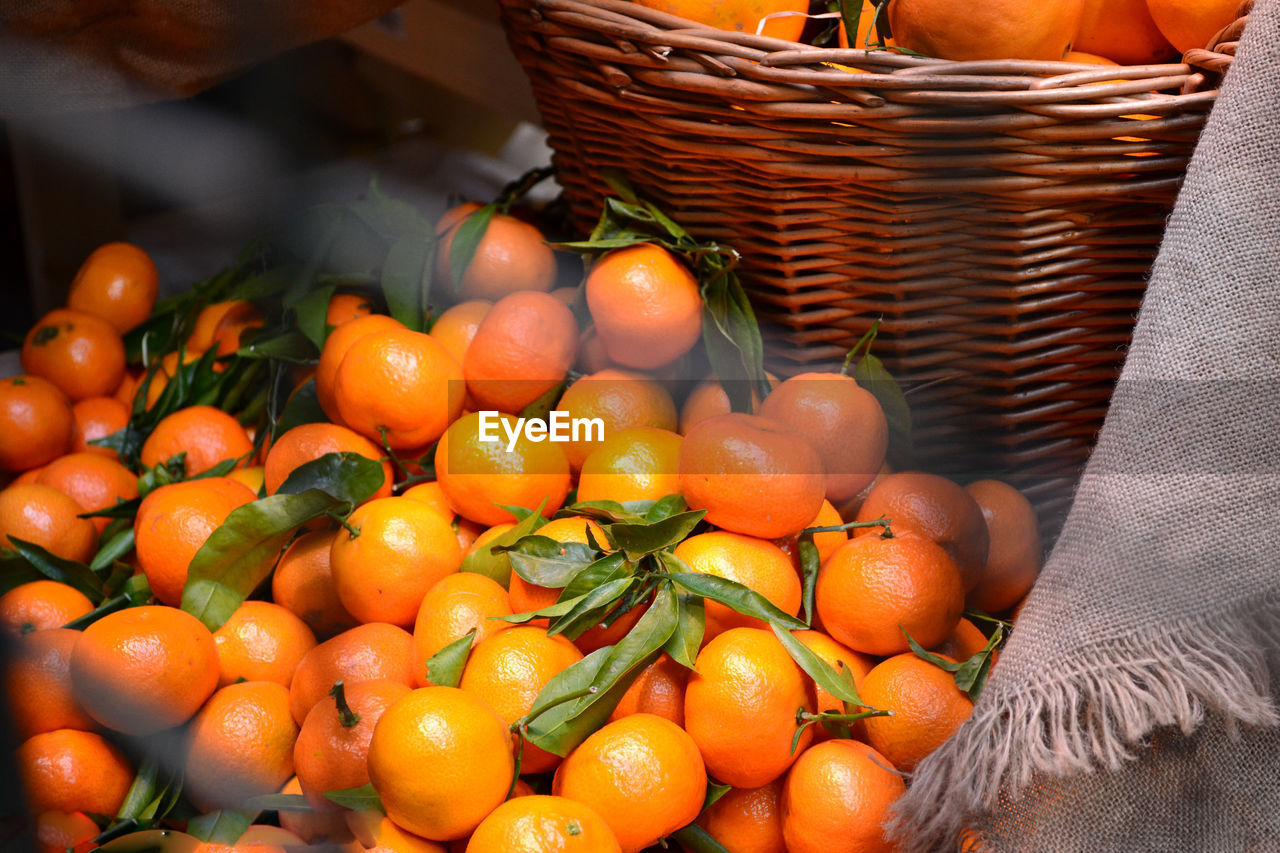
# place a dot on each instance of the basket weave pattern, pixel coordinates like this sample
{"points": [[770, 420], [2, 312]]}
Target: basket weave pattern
{"points": [[999, 217]]}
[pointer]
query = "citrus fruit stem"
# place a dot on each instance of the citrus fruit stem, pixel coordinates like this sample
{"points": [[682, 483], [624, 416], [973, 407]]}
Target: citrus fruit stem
{"points": [[346, 716]]}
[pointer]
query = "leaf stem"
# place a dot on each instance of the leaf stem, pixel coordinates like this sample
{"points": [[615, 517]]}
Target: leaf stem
{"points": [[521, 724], [853, 525], [346, 716]]}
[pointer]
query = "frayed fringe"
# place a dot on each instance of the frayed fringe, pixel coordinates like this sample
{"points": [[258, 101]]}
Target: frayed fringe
{"points": [[1091, 717]]}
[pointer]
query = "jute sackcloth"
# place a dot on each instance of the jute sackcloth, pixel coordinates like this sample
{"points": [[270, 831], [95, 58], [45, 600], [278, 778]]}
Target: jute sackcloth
{"points": [[1135, 706]]}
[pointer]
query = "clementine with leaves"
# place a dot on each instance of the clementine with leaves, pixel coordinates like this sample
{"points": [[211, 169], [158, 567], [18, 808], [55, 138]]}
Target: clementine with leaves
{"points": [[308, 442], [927, 707], [44, 516], [511, 256], [95, 418], [80, 353], [40, 606], [205, 434], [755, 563], [367, 652], [94, 482], [456, 605], [837, 797], [303, 583]]}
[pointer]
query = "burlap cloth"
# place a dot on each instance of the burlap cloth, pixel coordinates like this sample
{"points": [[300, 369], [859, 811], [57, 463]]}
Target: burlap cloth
{"points": [[1134, 708]]}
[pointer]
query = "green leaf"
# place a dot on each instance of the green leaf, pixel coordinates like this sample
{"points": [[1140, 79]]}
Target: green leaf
{"points": [[303, 407], [406, 279], [851, 14], [590, 608], [607, 511], [740, 598], [55, 568], [541, 407], [240, 554], [871, 374], [136, 592], [492, 561], [312, 313], [389, 217], [731, 335], [466, 240], [817, 669], [665, 508], [292, 346], [923, 653], [684, 644], [279, 803], [154, 791], [221, 827], [538, 559], [444, 668], [551, 611], [113, 549], [714, 792], [346, 477], [695, 839], [607, 568], [357, 799], [640, 539], [810, 563], [550, 709]]}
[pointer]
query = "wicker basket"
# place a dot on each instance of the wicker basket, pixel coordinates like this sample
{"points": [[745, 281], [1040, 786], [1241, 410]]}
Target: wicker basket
{"points": [[999, 217]]}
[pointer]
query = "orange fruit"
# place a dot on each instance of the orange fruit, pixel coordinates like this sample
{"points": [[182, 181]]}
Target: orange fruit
{"points": [[431, 494], [1008, 29], [97, 417], [402, 550], [173, 523], [752, 475], [1191, 23], [754, 563], [640, 758], [926, 704], [207, 435], [67, 770], [873, 590], [740, 707], [375, 831], [747, 820], [37, 683], [261, 641], [512, 255], [526, 596], [658, 690], [865, 22], [367, 652], [708, 399], [168, 650], [834, 655], [646, 305], [252, 478], [636, 464], [456, 605], [36, 423], [228, 335], [620, 400], [522, 349], [542, 824], [331, 755], [1124, 32], [457, 326], [345, 307], [307, 442], [467, 748], [261, 834], [240, 745], [1015, 553], [46, 517], [94, 482], [303, 583], [841, 420], [478, 475], [315, 826], [744, 16], [117, 282], [398, 386], [39, 606], [836, 800], [58, 832], [128, 388], [1088, 58], [963, 643], [335, 348], [508, 669], [205, 329], [937, 509], [80, 353]]}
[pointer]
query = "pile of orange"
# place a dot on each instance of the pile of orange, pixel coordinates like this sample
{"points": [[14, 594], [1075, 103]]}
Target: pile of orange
{"points": [[375, 685]]}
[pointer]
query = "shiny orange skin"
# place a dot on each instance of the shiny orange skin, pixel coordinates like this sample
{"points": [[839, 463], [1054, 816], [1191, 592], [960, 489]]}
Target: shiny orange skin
{"points": [[740, 707], [456, 605], [240, 745], [747, 820], [511, 256], [46, 517], [522, 349], [635, 464], [402, 550], [39, 606], [401, 383], [752, 475], [36, 423], [1189, 24], [837, 798], [508, 669], [708, 399], [1006, 29], [367, 652], [620, 399], [80, 353], [433, 496], [841, 420], [207, 435], [58, 832], [345, 307], [329, 756], [1015, 554], [168, 650], [94, 482], [834, 655], [646, 306], [261, 641], [456, 327], [251, 478], [117, 282], [926, 704], [307, 442], [315, 826], [375, 831], [477, 475], [1124, 32], [937, 509], [97, 417], [67, 770], [128, 387], [640, 758], [742, 16], [303, 583], [658, 690], [541, 824], [873, 589], [172, 524], [467, 748], [37, 684], [233, 324], [754, 563], [205, 329], [335, 349]]}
